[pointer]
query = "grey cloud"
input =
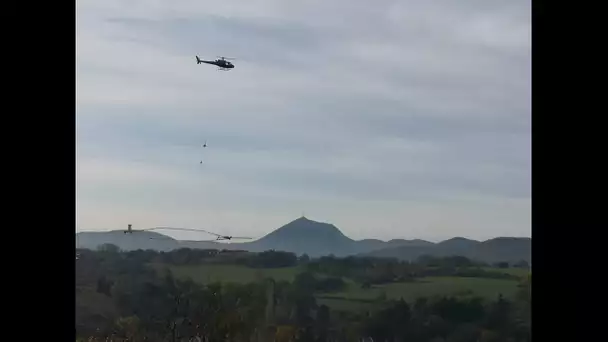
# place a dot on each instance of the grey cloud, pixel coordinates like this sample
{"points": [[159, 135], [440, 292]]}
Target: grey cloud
{"points": [[253, 40], [305, 167], [395, 101]]}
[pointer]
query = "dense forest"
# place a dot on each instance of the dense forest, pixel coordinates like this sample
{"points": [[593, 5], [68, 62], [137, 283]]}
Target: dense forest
{"points": [[119, 295]]}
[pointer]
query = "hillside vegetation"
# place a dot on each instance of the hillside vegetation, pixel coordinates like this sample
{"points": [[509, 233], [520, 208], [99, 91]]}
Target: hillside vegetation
{"points": [[242, 296]]}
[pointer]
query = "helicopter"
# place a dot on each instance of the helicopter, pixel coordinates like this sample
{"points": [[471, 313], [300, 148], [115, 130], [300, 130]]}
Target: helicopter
{"points": [[221, 62]]}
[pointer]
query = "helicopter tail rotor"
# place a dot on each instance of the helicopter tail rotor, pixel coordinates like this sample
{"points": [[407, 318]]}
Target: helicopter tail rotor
{"points": [[198, 60]]}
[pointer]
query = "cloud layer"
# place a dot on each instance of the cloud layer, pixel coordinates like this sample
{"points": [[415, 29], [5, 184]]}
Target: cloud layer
{"points": [[397, 119]]}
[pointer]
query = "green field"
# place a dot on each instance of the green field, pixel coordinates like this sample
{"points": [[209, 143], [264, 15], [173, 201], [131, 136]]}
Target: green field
{"points": [[519, 272], [346, 305], [229, 273], [355, 298], [430, 286]]}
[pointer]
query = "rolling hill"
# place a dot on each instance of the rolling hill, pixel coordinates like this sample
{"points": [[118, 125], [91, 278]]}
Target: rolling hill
{"points": [[493, 250], [304, 236], [139, 240]]}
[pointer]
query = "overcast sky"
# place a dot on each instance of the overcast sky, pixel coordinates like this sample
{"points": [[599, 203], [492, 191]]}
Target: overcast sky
{"points": [[389, 119]]}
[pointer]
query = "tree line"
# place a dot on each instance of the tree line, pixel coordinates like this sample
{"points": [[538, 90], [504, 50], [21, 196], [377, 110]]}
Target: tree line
{"points": [[150, 306]]}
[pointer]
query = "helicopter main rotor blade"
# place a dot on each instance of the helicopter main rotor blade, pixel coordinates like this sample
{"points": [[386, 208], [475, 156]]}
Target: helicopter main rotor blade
{"points": [[171, 239], [183, 229]]}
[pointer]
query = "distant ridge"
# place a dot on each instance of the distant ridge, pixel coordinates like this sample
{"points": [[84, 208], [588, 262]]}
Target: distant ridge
{"points": [[494, 250], [139, 240], [305, 236]]}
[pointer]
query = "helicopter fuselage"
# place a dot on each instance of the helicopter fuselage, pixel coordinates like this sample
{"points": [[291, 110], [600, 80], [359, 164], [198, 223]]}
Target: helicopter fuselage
{"points": [[220, 63]]}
